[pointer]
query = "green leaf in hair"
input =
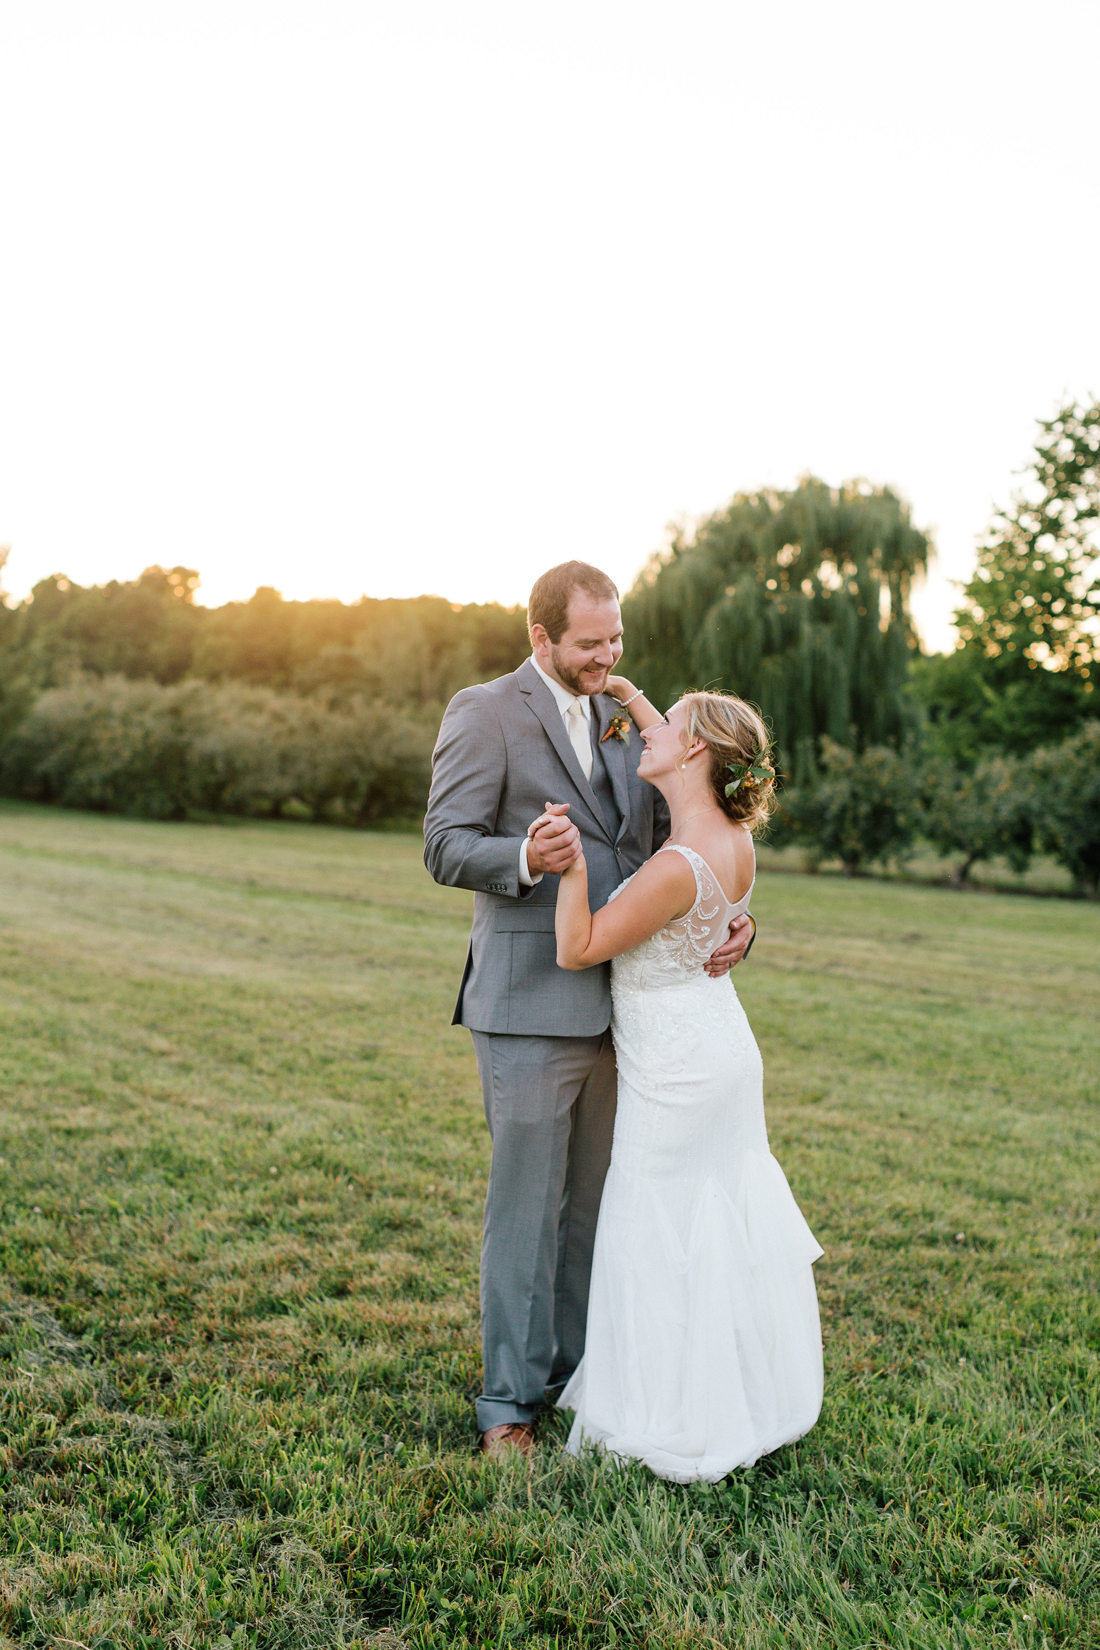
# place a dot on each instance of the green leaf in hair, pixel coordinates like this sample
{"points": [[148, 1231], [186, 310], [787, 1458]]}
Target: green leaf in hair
{"points": [[749, 774]]}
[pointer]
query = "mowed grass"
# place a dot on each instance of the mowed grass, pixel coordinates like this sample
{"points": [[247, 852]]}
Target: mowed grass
{"points": [[243, 1167]]}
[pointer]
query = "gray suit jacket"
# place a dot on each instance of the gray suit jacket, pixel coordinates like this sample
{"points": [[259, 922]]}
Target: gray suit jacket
{"points": [[502, 753]]}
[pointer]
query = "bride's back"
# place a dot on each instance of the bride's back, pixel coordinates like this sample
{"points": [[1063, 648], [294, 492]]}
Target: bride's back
{"points": [[727, 847]]}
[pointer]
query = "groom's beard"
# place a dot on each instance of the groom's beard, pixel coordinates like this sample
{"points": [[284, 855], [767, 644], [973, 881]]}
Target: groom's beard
{"points": [[578, 681]]}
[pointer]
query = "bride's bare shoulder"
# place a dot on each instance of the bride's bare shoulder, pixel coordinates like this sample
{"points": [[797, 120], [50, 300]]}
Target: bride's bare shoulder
{"points": [[667, 875], [729, 850], [668, 866]]}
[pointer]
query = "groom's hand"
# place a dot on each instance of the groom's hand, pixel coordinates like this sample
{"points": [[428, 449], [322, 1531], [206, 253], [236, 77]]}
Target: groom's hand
{"points": [[731, 951], [553, 842]]}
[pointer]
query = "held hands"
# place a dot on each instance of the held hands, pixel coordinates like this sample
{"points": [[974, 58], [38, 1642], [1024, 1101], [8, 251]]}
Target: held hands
{"points": [[731, 951], [554, 843]]}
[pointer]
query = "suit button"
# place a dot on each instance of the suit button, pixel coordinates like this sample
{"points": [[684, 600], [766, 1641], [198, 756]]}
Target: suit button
{"points": [[618, 850]]}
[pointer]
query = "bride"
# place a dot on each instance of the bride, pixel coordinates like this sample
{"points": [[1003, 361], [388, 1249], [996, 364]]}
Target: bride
{"points": [[703, 1349]]}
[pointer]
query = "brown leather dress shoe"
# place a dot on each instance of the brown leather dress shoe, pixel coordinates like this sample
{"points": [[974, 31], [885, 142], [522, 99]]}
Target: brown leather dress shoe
{"points": [[512, 1435]]}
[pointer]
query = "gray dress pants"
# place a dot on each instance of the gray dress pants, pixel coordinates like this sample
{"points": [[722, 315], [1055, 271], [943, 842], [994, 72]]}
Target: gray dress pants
{"points": [[550, 1107]]}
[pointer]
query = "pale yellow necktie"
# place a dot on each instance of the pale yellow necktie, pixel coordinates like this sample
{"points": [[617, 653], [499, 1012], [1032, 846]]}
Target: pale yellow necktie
{"points": [[577, 723]]}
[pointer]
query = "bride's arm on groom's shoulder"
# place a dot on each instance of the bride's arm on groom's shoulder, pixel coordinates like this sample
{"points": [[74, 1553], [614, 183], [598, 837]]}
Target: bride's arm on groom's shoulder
{"points": [[663, 889], [634, 701]]}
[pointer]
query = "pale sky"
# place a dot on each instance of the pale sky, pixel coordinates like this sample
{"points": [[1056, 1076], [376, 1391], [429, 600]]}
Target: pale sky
{"points": [[425, 296]]}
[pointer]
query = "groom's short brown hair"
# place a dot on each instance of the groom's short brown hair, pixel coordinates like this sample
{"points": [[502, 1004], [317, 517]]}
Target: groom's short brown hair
{"points": [[550, 593]]}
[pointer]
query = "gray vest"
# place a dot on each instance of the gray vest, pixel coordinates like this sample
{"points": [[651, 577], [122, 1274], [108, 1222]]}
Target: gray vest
{"points": [[601, 781]]}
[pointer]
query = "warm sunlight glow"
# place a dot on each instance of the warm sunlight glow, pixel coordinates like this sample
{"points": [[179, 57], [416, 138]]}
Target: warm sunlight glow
{"points": [[347, 297]]}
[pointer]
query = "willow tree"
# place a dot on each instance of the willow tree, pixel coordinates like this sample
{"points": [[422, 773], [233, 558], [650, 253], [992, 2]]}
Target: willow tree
{"points": [[799, 602]]}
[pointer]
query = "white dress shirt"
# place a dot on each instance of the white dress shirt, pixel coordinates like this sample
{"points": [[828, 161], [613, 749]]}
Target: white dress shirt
{"points": [[565, 702]]}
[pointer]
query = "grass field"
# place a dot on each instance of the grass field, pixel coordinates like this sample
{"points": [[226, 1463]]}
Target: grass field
{"points": [[241, 1168]]}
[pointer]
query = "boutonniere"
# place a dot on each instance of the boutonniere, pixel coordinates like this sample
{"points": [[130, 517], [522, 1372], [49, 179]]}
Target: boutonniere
{"points": [[618, 728]]}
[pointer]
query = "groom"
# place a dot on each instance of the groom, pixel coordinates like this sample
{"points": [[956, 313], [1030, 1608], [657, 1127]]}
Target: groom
{"points": [[544, 1051]]}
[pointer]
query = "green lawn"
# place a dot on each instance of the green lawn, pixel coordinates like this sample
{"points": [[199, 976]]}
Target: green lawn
{"points": [[241, 1176]]}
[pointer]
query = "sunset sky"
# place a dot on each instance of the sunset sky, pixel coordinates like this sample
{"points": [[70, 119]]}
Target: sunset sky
{"points": [[423, 297]]}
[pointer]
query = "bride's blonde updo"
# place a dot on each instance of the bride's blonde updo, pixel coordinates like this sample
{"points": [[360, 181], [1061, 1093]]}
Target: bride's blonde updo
{"points": [[734, 734]]}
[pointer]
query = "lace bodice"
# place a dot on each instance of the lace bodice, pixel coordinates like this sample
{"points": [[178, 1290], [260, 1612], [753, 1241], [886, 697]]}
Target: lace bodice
{"points": [[677, 952]]}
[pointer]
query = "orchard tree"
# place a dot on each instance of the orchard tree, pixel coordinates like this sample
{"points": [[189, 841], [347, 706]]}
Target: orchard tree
{"points": [[865, 806], [1066, 801], [979, 815]]}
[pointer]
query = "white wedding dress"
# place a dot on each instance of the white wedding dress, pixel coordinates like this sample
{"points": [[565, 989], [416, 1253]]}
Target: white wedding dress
{"points": [[703, 1348]]}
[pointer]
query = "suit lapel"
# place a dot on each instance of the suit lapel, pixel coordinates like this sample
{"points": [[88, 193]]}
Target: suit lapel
{"points": [[614, 756], [541, 701]]}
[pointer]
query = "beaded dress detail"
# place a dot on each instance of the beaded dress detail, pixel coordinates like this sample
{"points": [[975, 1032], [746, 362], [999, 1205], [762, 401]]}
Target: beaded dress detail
{"points": [[703, 1348]]}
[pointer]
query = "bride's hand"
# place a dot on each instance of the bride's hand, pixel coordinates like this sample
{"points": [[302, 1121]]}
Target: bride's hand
{"points": [[620, 688], [634, 702], [553, 842]]}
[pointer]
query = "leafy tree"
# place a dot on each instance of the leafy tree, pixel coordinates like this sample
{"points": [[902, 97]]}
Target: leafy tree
{"points": [[145, 627], [263, 750], [114, 745], [265, 640], [7, 614], [980, 814], [864, 807], [16, 695], [1029, 627], [1066, 800], [971, 708], [1035, 592], [419, 652], [415, 652], [796, 600], [128, 697]]}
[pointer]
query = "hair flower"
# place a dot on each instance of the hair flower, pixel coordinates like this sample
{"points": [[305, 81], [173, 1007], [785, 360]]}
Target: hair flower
{"points": [[755, 772]]}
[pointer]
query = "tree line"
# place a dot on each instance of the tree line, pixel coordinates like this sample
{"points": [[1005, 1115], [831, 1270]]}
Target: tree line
{"points": [[131, 697]]}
